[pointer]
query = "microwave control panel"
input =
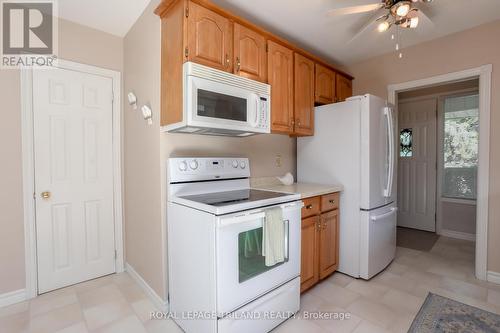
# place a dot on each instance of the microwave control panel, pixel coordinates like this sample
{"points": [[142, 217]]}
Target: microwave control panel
{"points": [[264, 112]]}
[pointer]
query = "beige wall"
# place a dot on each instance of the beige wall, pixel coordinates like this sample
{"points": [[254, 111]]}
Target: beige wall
{"points": [[11, 205], [142, 199], [76, 43], [467, 49], [147, 150]]}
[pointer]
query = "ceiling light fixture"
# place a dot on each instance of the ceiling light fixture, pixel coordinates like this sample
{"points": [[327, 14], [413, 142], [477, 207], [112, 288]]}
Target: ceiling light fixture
{"points": [[401, 8], [384, 26], [414, 22]]}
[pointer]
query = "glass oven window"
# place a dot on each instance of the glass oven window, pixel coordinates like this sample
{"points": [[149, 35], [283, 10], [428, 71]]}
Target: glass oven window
{"points": [[251, 262], [215, 105]]}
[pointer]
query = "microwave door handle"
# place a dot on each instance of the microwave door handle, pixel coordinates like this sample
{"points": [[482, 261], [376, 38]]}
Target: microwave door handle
{"points": [[254, 122]]}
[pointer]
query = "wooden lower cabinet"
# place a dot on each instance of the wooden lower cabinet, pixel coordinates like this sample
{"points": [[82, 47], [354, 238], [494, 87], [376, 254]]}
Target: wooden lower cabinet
{"points": [[309, 273], [328, 243], [319, 242]]}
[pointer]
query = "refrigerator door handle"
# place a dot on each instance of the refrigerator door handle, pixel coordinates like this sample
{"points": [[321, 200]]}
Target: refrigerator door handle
{"points": [[390, 130], [383, 216]]}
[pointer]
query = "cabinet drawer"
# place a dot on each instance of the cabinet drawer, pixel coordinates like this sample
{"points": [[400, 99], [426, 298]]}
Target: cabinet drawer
{"points": [[311, 207], [329, 202]]}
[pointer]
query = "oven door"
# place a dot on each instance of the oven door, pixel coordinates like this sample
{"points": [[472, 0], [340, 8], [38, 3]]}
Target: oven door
{"points": [[219, 105], [242, 275]]}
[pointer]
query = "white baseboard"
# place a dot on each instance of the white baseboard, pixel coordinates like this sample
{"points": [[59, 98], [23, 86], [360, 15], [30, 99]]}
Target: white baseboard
{"points": [[12, 297], [153, 296], [457, 235], [493, 277]]}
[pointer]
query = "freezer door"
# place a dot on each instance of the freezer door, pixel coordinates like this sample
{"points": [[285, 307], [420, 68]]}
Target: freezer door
{"points": [[378, 153], [378, 240]]}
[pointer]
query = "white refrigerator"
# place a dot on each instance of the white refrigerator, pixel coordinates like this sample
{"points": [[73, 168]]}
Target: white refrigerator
{"points": [[354, 144]]}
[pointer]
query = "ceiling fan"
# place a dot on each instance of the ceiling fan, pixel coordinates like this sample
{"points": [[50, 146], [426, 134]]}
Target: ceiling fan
{"points": [[388, 13]]}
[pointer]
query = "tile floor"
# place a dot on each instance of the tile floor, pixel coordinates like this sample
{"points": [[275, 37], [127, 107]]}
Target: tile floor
{"points": [[387, 303]]}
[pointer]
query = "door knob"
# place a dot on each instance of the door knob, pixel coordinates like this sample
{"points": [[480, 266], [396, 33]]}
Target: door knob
{"points": [[45, 195]]}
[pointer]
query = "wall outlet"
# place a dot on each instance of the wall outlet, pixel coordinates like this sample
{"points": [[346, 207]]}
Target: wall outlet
{"points": [[278, 160]]}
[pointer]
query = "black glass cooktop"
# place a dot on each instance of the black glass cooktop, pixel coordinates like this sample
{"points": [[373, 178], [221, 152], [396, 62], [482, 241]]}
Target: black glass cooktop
{"points": [[219, 199]]}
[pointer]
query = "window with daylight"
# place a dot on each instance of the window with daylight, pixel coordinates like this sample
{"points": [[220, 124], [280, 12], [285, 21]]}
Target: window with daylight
{"points": [[406, 142], [460, 147]]}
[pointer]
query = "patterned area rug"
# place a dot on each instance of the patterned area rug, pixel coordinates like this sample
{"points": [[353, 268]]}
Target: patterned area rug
{"points": [[442, 315]]}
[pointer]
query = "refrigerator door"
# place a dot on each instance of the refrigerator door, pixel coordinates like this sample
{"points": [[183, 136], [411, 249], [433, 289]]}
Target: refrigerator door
{"points": [[378, 153], [378, 240]]}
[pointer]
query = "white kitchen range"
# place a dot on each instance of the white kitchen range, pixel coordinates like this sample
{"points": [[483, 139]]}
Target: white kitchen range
{"points": [[234, 252]]}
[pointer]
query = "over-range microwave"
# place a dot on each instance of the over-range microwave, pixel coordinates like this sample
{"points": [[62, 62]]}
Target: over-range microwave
{"points": [[219, 103]]}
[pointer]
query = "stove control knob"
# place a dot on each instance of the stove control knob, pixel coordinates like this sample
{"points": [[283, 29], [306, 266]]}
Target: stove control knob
{"points": [[243, 164], [193, 164], [235, 164], [183, 166]]}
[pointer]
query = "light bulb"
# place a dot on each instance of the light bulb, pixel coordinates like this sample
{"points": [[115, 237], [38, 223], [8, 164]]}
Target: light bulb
{"points": [[383, 26], [403, 10], [392, 37], [414, 22], [400, 55], [397, 47]]}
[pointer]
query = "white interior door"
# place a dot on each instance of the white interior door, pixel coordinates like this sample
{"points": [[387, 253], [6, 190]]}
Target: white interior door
{"points": [[73, 177], [417, 165]]}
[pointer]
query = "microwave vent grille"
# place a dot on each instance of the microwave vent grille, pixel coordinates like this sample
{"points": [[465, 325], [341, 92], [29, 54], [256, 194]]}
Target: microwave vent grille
{"points": [[227, 78]]}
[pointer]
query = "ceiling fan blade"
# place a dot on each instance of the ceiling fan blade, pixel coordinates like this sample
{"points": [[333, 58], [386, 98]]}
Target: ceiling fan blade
{"points": [[424, 15], [355, 9], [372, 20]]}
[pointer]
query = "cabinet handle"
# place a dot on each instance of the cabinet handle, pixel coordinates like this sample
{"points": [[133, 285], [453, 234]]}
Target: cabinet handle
{"points": [[309, 206], [227, 60], [238, 64], [319, 225], [324, 225], [331, 201]]}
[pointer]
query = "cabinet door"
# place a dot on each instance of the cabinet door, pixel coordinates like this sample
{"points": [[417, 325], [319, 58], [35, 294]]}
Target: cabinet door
{"points": [[328, 243], [304, 96], [325, 85], [309, 274], [344, 88], [280, 76], [209, 38], [250, 58]]}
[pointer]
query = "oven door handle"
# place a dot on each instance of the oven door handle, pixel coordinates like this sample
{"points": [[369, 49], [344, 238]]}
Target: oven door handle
{"points": [[287, 240], [242, 218]]}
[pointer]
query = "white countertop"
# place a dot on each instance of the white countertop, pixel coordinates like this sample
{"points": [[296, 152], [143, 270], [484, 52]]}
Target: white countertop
{"points": [[306, 190]]}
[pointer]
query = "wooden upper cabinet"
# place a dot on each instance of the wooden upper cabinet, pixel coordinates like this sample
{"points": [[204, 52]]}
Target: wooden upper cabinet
{"points": [[250, 57], [209, 38], [280, 77], [304, 96], [325, 85], [328, 243], [344, 88]]}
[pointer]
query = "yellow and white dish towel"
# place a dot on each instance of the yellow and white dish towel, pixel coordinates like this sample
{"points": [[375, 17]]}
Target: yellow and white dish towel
{"points": [[273, 237]]}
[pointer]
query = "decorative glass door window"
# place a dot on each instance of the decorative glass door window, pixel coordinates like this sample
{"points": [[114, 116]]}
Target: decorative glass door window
{"points": [[406, 142], [460, 147]]}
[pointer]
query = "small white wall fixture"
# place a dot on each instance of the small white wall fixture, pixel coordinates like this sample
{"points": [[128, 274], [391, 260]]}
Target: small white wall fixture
{"points": [[484, 75], [31, 289]]}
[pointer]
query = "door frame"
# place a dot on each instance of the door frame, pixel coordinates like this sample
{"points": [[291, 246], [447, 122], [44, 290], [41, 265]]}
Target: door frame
{"points": [[484, 75], [28, 161]]}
